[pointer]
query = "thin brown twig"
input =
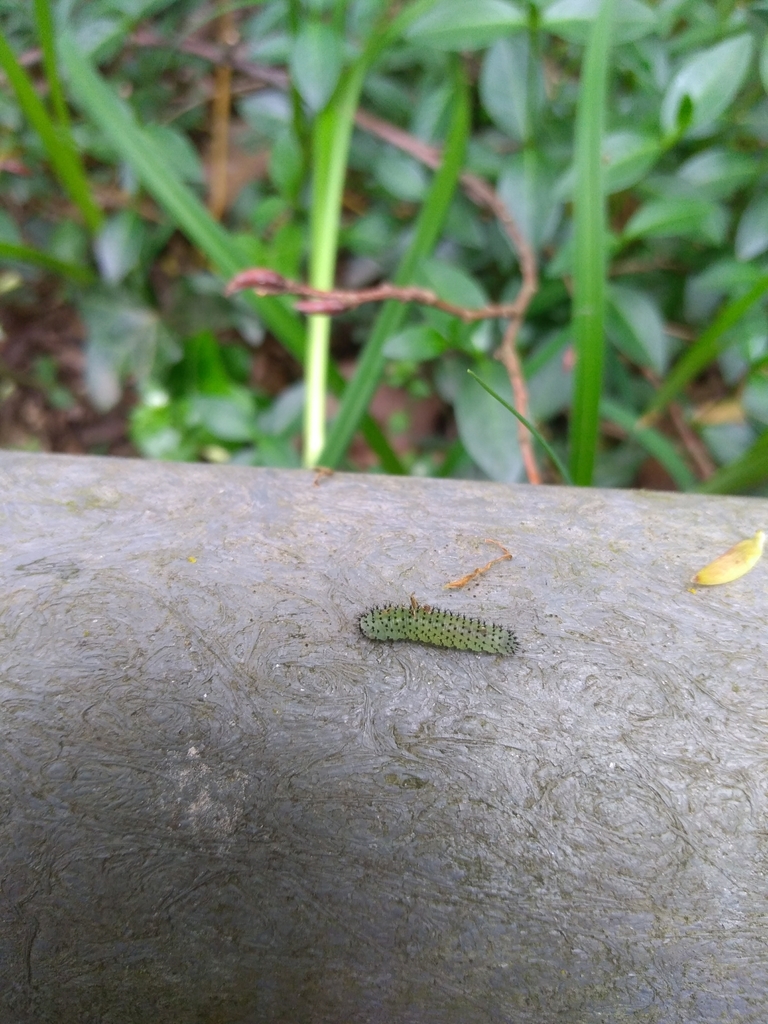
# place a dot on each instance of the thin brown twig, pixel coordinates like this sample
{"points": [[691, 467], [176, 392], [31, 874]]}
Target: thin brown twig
{"points": [[700, 457], [322, 473], [462, 581], [692, 442], [331, 301], [509, 356], [231, 56]]}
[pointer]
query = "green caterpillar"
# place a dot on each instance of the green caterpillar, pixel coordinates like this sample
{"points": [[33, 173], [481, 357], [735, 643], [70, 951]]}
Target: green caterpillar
{"points": [[432, 626]]}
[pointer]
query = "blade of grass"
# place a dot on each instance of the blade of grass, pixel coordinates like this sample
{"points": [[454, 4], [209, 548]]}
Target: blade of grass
{"points": [[332, 132], [660, 447], [589, 255], [139, 150], [118, 124], [709, 345], [746, 473], [58, 142], [25, 254], [365, 380], [47, 36], [526, 423]]}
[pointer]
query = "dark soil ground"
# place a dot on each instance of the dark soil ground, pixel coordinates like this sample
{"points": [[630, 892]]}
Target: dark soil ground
{"points": [[43, 403]]}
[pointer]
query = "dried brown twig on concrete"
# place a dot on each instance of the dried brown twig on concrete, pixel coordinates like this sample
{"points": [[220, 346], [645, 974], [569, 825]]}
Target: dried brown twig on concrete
{"points": [[464, 580]]}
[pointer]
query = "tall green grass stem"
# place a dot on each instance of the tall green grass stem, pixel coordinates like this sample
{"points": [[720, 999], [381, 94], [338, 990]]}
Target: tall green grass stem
{"points": [[330, 149], [746, 473], [47, 36], [56, 138], [707, 347], [38, 258], [331, 136], [660, 447], [367, 375], [589, 251]]}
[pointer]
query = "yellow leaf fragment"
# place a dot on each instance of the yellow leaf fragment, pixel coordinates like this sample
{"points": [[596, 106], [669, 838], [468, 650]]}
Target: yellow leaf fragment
{"points": [[734, 563]]}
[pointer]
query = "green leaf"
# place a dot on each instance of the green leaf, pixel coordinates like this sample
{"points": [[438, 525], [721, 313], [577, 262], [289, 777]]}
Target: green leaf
{"points": [[635, 326], [526, 423], [679, 216], [527, 187], [710, 81], [56, 138], [459, 25], [286, 164], [203, 368], [317, 58], [628, 156], [744, 346], [717, 173], [25, 254], [331, 135], [158, 433], [746, 473], [485, 429], [512, 86], [707, 347], [418, 343], [9, 231], [118, 246], [726, 278], [230, 417], [572, 19], [402, 176], [660, 447], [46, 31], [284, 415], [550, 390], [754, 398], [178, 151], [452, 283], [752, 232], [764, 63], [728, 442], [123, 337]]}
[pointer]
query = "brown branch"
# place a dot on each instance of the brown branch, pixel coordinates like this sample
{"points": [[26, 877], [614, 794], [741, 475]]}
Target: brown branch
{"points": [[508, 355], [338, 300], [693, 444]]}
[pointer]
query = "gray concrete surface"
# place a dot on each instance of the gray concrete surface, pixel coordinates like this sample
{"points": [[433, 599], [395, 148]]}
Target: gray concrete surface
{"points": [[219, 803]]}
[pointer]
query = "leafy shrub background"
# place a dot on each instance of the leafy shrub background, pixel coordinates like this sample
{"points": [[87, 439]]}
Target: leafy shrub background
{"points": [[117, 103]]}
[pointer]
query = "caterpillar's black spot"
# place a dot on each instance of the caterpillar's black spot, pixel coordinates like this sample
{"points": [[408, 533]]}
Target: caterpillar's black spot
{"points": [[433, 626]]}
